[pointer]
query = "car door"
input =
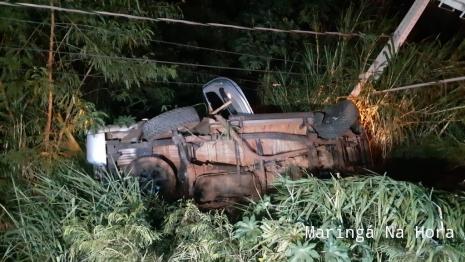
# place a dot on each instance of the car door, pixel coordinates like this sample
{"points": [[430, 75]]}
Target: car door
{"points": [[221, 90]]}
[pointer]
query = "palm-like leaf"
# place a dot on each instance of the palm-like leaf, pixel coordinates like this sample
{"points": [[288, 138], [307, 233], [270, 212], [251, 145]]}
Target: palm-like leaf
{"points": [[248, 228], [302, 252]]}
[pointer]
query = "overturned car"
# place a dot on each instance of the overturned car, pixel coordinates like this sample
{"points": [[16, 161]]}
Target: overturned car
{"points": [[233, 153]]}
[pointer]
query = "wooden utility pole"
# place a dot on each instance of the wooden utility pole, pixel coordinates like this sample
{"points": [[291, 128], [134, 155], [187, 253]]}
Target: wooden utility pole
{"points": [[391, 48], [48, 127]]}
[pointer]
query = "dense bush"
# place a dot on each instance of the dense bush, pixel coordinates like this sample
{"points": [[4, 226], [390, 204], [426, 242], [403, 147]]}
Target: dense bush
{"points": [[70, 217], [280, 226]]}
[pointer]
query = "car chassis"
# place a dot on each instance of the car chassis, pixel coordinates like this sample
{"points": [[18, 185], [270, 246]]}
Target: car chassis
{"points": [[231, 156]]}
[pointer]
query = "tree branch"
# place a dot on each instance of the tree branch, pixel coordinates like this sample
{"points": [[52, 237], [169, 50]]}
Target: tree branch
{"points": [[50, 78]]}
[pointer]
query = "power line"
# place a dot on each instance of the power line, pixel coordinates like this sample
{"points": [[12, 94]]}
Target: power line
{"points": [[148, 81], [153, 61], [154, 41], [169, 20], [209, 74], [438, 82], [186, 71], [100, 76], [174, 63], [164, 82], [257, 82]]}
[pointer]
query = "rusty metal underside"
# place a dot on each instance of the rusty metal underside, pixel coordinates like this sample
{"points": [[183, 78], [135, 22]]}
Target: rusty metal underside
{"points": [[219, 169]]}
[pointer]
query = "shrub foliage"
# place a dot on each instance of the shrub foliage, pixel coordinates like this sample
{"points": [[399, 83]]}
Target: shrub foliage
{"points": [[71, 217]]}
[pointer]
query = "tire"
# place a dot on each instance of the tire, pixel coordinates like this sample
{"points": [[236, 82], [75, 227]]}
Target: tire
{"points": [[338, 118], [357, 128], [168, 121], [318, 118], [154, 175]]}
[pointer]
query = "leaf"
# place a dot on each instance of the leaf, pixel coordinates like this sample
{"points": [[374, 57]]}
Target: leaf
{"points": [[249, 228], [304, 252], [124, 121]]}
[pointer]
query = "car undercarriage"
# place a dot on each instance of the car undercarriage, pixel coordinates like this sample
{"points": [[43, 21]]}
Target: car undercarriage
{"points": [[219, 160]]}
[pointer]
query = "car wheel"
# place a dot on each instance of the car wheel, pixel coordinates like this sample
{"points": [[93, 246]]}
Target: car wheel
{"points": [[168, 121], [154, 175], [337, 119], [357, 128]]}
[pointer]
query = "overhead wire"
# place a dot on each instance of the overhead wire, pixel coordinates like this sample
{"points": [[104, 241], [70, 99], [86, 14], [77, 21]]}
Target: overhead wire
{"points": [[159, 41], [438, 82], [154, 40], [19, 48], [174, 63], [165, 82], [178, 63], [147, 81], [186, 22], [209, 74], [169, 20], [101, 76], [151, 60], [165, 62]]}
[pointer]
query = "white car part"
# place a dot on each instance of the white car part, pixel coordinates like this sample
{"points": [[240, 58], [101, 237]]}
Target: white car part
{"points": [[96, 143], [96, 149], [455, 5], [227, 90]]}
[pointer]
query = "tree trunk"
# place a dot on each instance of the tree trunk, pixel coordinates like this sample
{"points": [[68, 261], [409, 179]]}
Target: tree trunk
{"points": [[50, 78]]}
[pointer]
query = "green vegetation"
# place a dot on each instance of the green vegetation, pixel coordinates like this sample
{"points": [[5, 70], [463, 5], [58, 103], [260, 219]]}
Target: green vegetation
{"points": [[62, 74], [68, 216], [51, 60], [425, 117], [361, 202]]}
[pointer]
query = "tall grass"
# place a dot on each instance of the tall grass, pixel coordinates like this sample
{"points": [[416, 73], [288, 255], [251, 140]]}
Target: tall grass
{"points": [[201, 236], [394, 119], [68, 216], [277, 224], [330, 64], [428, 113]]}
